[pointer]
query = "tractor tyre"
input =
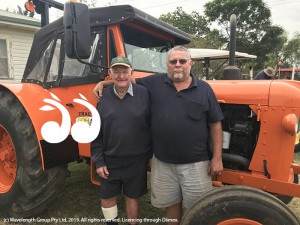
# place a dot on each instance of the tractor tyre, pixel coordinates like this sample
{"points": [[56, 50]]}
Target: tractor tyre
{"points": [[236, 205], [287, 199], [25, 189], [297, 148]]}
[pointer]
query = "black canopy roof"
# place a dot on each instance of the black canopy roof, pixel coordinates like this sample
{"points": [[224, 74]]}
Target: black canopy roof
{"points": [[121, 13], [98, 17]]}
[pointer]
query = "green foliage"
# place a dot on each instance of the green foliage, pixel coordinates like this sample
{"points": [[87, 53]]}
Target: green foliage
{"points": [[271, 44], [24, 12], [255, 34], [89, 3], [291, 52], [198, 27], [193, 23]]}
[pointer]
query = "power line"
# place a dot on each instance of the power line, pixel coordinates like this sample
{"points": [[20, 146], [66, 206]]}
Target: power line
{"points": [[284, 3], [165, 4]]}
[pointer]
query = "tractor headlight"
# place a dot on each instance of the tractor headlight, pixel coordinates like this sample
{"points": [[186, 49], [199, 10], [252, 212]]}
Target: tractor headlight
{"points": [[290, 124]]}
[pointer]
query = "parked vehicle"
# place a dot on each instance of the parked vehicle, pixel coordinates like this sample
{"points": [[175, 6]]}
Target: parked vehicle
{"points": [[289, 73]]}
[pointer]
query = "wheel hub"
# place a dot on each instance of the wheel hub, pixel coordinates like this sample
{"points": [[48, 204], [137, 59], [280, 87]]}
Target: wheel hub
{"points": [[8, 161]]}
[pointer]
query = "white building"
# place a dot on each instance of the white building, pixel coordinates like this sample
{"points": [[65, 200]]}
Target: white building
{"points": [[16, 35]]}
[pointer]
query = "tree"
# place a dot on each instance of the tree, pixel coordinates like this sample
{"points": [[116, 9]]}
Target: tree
{"points": [[89, 3], [290, 54], [197, 26], [20, 11], [193, 23], [255, 34]]}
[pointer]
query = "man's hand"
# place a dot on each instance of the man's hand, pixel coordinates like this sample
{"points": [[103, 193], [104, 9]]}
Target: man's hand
{"points": [[103, 172], [216, 166], [98, 91]]}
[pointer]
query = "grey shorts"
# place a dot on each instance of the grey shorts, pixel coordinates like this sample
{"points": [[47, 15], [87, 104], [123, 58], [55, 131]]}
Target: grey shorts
{"points": [[175, 183]]}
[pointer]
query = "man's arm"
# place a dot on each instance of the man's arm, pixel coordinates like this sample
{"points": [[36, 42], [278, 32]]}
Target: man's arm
{"points": [[97, 156], [103, 84], [216, 165]]}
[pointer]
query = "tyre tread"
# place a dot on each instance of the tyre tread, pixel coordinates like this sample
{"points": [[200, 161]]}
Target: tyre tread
{"points": [[37, 188]]}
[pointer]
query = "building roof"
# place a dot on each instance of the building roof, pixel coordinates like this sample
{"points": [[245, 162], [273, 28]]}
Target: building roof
{"points": [[17, 19]]}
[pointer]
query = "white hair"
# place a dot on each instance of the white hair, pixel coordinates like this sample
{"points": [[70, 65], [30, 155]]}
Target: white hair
{"points": [[179, 48]]}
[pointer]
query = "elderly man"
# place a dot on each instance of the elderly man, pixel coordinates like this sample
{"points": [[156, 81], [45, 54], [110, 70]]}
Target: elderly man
{"points": [[184, 114], [121, 150]]}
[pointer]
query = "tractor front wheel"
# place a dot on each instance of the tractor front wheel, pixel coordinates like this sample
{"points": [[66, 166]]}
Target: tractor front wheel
{"points": [[236, 205], [287, 199], [25, 189]]}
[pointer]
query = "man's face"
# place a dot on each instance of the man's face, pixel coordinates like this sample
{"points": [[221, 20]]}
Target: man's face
{"points": [[120, 75], [179, 66]]}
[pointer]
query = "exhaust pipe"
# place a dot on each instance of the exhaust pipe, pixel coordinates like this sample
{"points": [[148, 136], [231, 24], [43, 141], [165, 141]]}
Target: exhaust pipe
{"points": [[232, 72]]}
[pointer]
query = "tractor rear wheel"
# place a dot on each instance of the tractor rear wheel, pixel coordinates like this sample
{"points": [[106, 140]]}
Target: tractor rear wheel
{"points": [[25, 189], [236, 205]]}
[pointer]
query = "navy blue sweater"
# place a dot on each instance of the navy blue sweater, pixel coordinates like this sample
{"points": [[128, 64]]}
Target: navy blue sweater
{"points": [[125, 125]]}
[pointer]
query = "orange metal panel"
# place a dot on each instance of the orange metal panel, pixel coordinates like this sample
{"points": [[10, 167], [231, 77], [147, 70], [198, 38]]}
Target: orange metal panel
{"points": [[260, 182], [285, 93], [31, 97], [296, 168], [274, 144], [119, 44], [241, 91]]}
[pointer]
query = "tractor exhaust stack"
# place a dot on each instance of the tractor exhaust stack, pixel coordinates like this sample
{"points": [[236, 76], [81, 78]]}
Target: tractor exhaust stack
{"points": [[232, 72]]}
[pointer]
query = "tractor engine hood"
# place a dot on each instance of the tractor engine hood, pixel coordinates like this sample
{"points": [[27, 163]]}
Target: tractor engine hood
{"points": [[258, 92], [241, 91], [285, 93]]}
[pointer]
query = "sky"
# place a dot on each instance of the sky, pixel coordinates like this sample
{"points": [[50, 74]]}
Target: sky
{"points": [[285, 13]]}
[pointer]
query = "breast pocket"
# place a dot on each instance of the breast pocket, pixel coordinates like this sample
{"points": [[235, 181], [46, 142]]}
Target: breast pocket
{"points": [[195, 110]]}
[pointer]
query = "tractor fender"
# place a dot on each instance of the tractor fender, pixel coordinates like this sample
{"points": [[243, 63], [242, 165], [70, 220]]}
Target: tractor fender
{"points": [[25, 189], [32, 98]]}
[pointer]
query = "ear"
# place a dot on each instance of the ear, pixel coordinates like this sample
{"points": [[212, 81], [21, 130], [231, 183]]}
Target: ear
{"points": [[109, 72]]}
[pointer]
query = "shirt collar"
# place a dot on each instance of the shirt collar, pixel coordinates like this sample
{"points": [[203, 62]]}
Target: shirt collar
{"points": [[129, 90]]}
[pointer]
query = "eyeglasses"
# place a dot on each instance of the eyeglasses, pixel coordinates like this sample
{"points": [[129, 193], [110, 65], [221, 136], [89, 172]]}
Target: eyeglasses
{"points": [[181, 61]]}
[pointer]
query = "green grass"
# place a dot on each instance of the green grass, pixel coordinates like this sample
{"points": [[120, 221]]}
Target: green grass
{"points": [[79, 199], [295, 203]]}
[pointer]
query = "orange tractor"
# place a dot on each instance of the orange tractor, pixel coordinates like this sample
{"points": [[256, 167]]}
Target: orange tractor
{"points": [[56, 93]]}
